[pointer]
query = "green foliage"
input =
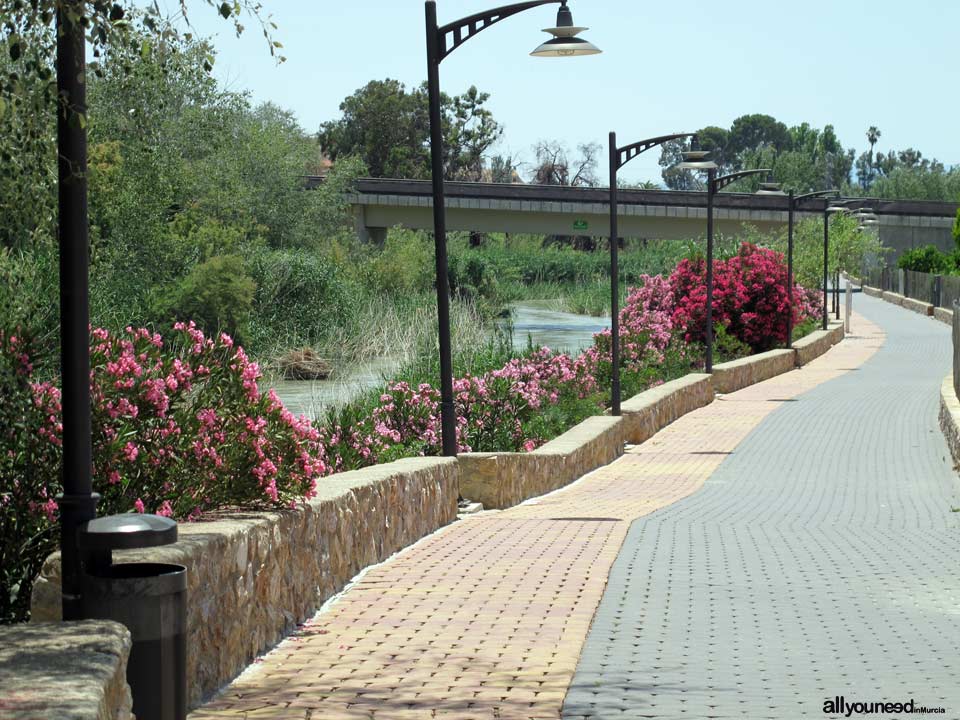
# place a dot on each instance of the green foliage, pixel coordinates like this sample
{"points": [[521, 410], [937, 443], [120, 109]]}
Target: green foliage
{"points": [[956, 230], [802, 158], [405, 266], [301, 299], [217, 294], [849, 248], [388, 127], [927, 259]]}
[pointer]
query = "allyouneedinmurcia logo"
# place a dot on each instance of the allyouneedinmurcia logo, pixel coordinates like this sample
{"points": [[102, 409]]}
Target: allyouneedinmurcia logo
{"points": [[838, 705]]}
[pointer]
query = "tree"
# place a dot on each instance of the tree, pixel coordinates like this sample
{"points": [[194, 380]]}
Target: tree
{"points": [[751, 133], [555, 167], [389, 129]]}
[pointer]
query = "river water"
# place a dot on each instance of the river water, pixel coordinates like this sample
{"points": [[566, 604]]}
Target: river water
{"points": [[533, 321]]}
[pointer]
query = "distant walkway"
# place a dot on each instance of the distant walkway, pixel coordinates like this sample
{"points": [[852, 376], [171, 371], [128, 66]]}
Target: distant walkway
{"points": [[488, 617], [821, 559]]}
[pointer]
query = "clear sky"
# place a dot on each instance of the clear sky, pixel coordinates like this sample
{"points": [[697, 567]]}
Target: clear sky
{"points": [[667, 67]]}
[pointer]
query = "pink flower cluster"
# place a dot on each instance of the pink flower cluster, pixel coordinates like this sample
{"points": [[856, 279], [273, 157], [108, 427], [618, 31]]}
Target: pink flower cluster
{"points": [[749, 298], [181, 429]]}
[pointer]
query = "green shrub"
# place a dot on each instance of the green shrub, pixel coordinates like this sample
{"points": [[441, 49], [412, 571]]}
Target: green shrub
{"points": [[405, 266], [956, 231], [926, 259], [217, 295], [300, 299], [472, 276]]}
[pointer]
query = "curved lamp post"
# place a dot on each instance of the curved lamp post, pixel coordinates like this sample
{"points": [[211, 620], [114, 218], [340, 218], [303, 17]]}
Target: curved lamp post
{"points": [[441, 41], [700, 160], [793, 202], [620, 156], [867, 220]]}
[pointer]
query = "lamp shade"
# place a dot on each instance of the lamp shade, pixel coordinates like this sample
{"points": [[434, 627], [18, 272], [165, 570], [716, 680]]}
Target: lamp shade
{"points": [[565, 42], [697, 160], [770, 188]]}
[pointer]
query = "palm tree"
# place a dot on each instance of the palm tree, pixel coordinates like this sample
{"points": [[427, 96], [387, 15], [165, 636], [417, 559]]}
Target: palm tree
{"points": [[873, 134]]}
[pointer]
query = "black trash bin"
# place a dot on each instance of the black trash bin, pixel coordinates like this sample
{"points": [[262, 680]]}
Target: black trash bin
{"points": [[150, 599]]}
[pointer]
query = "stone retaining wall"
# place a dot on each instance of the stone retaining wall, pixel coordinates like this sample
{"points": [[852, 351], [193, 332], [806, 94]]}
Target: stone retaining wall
{"points": [[814, 345], [735, 375], [950, 417], [872, 291], [65, 671], [894, 298], [943, 315], [502, 480], [254, 576], [649, 412], [917, 306]]}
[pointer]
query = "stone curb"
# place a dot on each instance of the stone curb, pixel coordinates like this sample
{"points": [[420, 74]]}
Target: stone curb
{"points": [[502, 480], [950, 417], [65, 671], [917, 306], [943, 315], [737, 374]]}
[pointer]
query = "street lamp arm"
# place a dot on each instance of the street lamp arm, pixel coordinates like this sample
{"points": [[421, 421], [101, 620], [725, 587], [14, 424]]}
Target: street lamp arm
{"points": [[817, 194], [721, 182], [459, 31], [628, 152]]}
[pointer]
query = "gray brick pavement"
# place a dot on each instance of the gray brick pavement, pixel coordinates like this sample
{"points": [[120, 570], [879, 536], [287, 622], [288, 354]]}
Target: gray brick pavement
{"points": [[821, 559]]}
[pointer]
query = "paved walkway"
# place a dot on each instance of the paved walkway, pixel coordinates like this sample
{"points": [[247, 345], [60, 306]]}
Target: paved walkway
{"points": [[820, 559], [769, 572]]}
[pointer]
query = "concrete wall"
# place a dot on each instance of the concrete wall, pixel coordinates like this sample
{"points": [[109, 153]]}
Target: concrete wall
{"points": [[65, 671]]}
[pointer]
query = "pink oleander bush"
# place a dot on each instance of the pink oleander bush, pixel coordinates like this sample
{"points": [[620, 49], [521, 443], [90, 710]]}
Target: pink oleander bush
{"points": [[179, 428], [749, 298]]}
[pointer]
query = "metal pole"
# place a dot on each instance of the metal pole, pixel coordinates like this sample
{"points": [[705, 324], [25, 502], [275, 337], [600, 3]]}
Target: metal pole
{"points": [[711, 182], [614, 283], [448, 419], [78, 502], [790, 272], [826, 260], [836, 291]]}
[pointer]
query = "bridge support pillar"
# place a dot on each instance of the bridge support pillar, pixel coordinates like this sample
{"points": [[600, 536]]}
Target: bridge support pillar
{"points": [[367, 235]]}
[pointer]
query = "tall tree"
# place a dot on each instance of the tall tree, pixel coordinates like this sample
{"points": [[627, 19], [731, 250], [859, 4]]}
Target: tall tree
{"points": [[388, 128]]}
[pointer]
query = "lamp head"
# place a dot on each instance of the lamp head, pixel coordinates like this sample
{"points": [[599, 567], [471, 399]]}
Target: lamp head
{"points": [[697, 160], [565, 42], [770, 188]]}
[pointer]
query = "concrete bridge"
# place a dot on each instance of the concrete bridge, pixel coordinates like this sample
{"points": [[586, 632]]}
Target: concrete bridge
{"points": [[646, 214]]}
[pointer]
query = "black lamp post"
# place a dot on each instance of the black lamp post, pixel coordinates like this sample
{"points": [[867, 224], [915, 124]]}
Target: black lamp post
{"points": [[78, 502], [793, 202], [867, 220], [699, 160], [620, 156], [441, 41]]}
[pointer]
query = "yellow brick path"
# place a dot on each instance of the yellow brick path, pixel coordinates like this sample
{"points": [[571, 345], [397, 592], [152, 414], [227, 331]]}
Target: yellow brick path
{"points": [[487, 618]]}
